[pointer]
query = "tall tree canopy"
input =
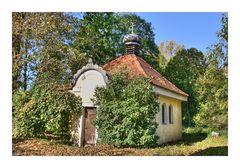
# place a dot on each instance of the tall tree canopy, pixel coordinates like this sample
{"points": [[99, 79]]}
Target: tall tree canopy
{"points": [[41, 45], [56, 45], [212, 86], [212, 95], [183, 70], [101, 34], [167, 50]]}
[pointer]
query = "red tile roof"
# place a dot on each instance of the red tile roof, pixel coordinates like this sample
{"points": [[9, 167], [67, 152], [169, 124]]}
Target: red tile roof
{"points": [[139, 66]]}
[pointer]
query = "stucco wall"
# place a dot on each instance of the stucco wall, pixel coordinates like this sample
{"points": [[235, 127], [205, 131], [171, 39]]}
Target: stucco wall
{"points": [[169, 132], [86, 84]]}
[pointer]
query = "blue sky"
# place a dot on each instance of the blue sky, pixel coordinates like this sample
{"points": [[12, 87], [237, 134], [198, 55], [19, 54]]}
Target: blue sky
{"points": [[190, 29]]}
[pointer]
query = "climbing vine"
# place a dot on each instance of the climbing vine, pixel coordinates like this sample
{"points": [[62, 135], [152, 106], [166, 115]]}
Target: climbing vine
{"points": [[126, 112], [44, 110]]}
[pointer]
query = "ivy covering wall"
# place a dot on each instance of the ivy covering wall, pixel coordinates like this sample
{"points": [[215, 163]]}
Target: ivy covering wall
{"points": [[44, 110], [126, 112]]}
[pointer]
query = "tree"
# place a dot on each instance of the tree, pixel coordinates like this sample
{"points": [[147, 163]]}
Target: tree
{"points": [[212, 86], [100, 36], [126, 112], [167, 50], [212, 97], [222, 45], [20, 34], [144, 29], [183, 70], [58, 44], [41, 44]]}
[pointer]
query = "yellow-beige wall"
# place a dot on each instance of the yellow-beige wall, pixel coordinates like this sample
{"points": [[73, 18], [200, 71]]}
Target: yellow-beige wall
{"points": [[169, 132]]}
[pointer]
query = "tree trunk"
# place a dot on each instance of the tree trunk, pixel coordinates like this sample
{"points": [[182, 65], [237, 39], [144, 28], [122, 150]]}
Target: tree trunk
{"points": [[16, 66], [25, 67]]}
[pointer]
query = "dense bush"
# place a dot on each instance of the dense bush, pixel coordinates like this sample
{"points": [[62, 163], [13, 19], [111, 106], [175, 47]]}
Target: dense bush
{"points": [[26, 120], [213, 98], [42, 110], [126, 112]]}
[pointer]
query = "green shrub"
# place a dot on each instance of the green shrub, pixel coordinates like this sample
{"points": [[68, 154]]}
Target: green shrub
{"points": [[213, 98], [126, 112], [42, 110], [193, 130], [26, 121]]}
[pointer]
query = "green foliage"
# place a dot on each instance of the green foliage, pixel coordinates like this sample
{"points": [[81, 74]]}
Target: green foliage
{"points": [[212, 86], [183, 70], [101, 33], [162, 63], [193, 130], [42, 110], [149, 50], [167, 50], [26, 121], [213, 96], [58, 44], [41, 43], [126, 112], [223, 33]]}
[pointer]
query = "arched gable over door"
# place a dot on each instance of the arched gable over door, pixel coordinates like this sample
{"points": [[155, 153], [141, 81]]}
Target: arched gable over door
{"points": [[86, 80]]}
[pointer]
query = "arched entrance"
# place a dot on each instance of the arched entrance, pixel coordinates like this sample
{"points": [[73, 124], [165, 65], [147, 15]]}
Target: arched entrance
{"points": [[84, 84]]}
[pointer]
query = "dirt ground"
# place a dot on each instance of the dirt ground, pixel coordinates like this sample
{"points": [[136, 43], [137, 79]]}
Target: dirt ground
{"points": [[42, 147], [39, 147]]}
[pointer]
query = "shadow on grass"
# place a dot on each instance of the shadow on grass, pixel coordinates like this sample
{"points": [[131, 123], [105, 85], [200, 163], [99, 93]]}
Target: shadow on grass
{"points": [[190, 138], [213, 151]]}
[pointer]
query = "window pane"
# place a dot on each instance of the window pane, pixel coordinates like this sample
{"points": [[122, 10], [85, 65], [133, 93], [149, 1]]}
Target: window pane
{"points": [[170, 114], [163, 114]]}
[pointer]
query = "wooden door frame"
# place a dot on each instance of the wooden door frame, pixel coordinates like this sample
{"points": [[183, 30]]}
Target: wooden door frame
{"points": [[82, 126]]}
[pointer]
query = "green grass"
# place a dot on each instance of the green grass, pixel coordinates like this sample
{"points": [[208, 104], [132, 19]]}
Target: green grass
{"points": [[191, 145]]}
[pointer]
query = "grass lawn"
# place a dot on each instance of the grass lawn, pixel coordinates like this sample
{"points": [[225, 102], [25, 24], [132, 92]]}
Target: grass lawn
{"points": [[191, 145]]}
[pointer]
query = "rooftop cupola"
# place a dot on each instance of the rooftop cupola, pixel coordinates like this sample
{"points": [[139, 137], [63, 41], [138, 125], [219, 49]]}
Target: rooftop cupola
{"points": [[132, 43]]}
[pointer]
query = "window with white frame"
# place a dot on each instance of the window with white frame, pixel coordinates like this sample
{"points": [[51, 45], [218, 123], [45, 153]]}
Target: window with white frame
{"points": [[170, 114], [164, 114]]}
